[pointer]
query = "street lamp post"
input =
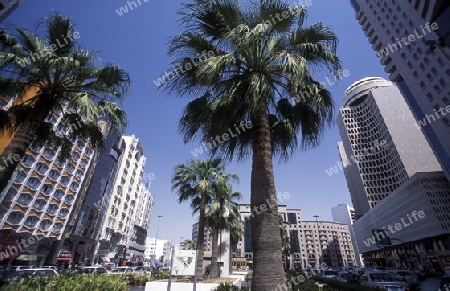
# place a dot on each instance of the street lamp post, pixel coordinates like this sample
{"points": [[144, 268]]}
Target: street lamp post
{"points": [[156, 238], [318, 234]]}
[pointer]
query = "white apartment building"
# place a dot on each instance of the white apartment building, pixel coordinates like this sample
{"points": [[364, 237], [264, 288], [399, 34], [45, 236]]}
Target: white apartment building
{"points": [[159, 250], [412, 40], [124, 228], [382, 145]]}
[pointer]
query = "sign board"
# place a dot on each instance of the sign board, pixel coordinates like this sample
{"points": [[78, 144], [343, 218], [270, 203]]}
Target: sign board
{"points": [[381, 237], [184, 262]]}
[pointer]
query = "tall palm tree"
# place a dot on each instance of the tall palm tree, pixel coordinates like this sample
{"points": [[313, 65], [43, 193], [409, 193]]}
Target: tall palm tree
{"points": [[46, 71], [259, 57], [221, 214], [196, 182]]}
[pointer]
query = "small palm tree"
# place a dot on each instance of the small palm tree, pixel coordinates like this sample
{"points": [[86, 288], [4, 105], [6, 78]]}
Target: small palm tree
{"points": [[46, 72], [221, 214], [196, 182], [285, 241], [260, 58]]}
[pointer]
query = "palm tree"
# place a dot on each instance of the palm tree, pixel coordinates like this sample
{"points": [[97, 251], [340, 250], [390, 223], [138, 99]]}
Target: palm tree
{"points": [[188, 244], [221, 214], [196, 181], [285, 241], [259, 57], [46, 72]]}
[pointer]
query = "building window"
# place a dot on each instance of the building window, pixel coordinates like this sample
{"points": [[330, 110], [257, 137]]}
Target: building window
{"points": [[15, 217]]}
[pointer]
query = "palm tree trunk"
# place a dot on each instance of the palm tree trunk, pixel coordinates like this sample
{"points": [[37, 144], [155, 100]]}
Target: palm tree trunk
{"points": [[14, 152], [201, 237], [215, 254], [268, 273]]}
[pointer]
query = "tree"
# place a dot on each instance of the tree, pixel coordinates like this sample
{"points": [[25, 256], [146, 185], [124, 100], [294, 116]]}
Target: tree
{"points": [[45, 72], [285, 241], [188, 244], [259, 58], [221, 214], [196, 182]]}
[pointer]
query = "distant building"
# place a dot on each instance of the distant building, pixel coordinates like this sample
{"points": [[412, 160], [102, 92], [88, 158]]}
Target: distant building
{"points": [[159, 250], [344, 213], [382, 146], [7, 7], [412, 40], [312, 243]]}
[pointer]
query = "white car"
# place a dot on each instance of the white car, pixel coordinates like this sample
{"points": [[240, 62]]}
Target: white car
{"points": [[30, 273], [385, 280]]}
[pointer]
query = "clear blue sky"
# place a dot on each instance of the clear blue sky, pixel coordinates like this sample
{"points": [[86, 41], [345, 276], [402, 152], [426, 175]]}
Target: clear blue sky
{"points": [[137, 41]]}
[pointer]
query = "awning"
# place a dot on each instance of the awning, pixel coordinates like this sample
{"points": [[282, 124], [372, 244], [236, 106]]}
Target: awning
{"points": [[63, 259]]}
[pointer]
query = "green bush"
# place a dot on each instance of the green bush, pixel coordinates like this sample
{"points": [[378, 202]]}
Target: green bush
{"points": [[160, 275], [338, 285], [230, 287], [69, 283]]}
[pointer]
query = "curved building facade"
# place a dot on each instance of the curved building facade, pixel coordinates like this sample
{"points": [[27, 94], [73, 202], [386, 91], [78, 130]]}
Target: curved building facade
{"points": [[382, 145]]}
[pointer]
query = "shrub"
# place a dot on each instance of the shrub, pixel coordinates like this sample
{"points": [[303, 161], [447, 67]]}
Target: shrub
{"points": [[338, 285], [230, 287], [69, 283]]}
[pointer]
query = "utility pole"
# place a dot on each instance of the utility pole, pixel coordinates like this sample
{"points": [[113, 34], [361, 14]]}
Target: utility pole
{"points": [[156, 238]]}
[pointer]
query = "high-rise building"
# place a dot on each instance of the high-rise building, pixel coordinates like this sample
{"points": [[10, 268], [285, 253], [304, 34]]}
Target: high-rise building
{"points": [[412, 40], [124, 229], [8, 6], [83, 236], [45, 190], [344, 213], [382, 145]]}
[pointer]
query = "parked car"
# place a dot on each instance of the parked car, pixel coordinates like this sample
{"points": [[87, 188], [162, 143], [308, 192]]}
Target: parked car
{"points": [[143, 269], [342, 276], [30, 274], [407, 276], [109, 266], [123, 270], [330, 274], [95, 270], [50, 267], [435, 283], [385, 280], [18, 268]]}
